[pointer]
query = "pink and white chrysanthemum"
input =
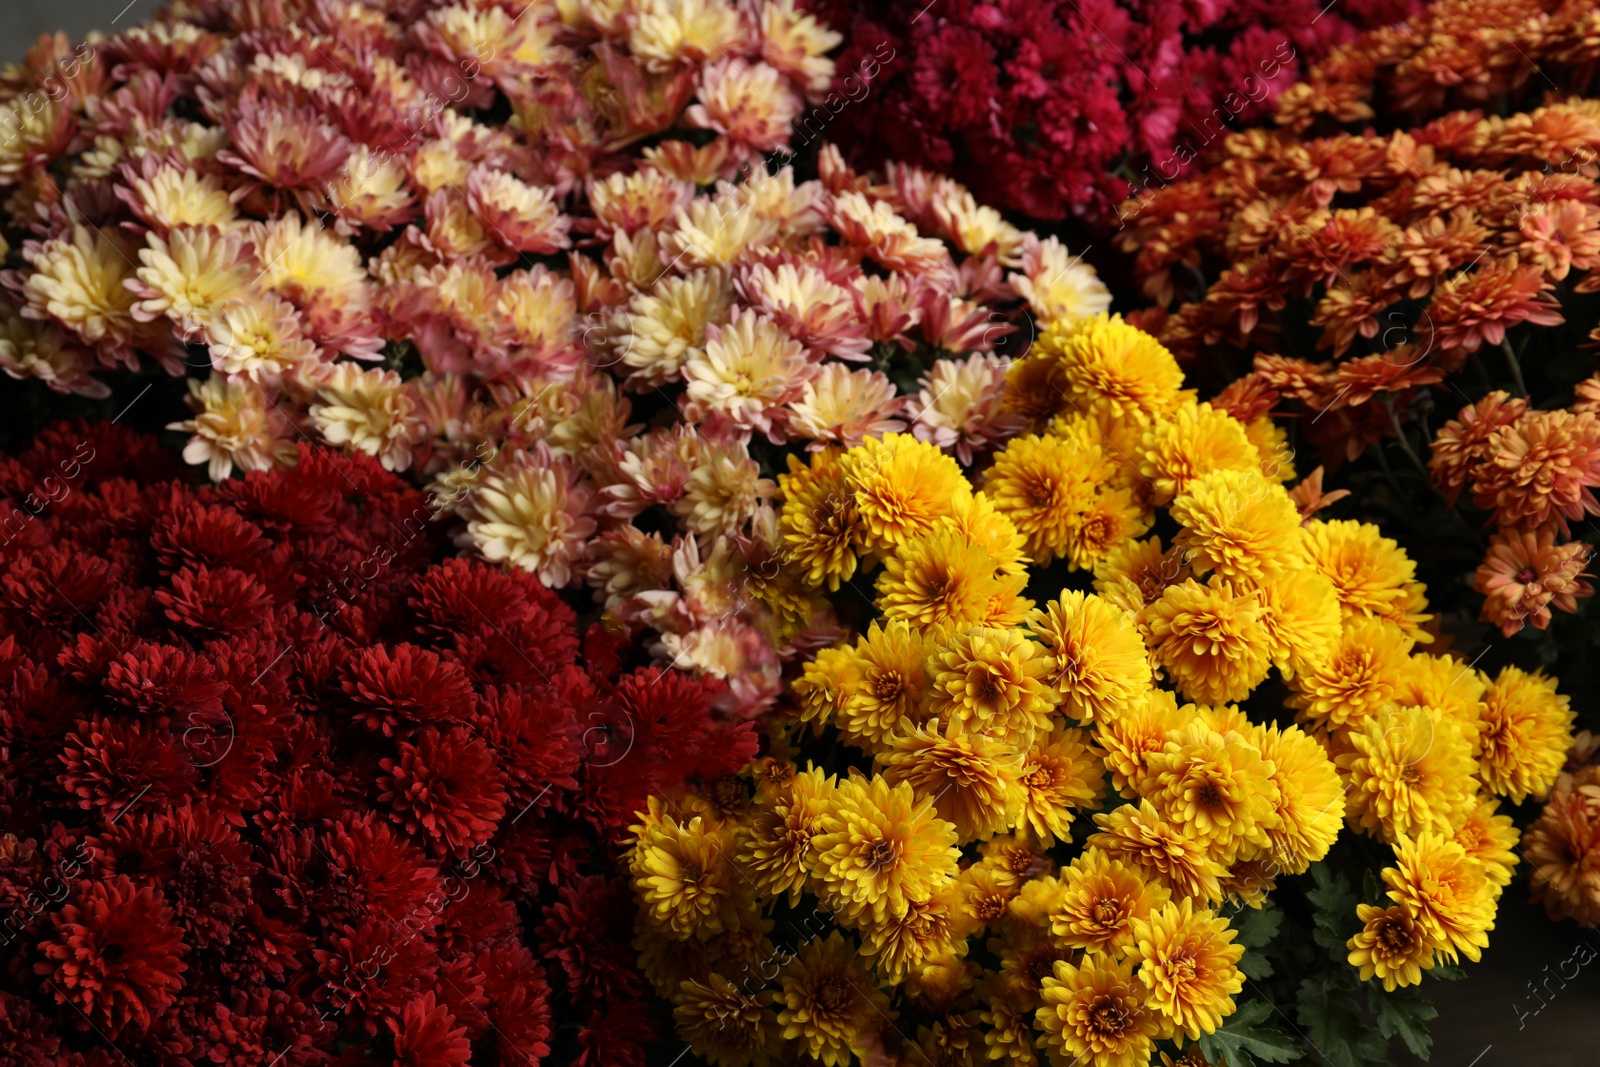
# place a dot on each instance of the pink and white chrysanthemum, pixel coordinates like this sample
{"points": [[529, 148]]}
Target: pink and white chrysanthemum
{"points": [[843, 407], [533, 513], [750, 367], [959, 407]]}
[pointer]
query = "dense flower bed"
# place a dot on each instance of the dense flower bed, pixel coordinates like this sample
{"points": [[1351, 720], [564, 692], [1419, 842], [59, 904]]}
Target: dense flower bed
{"points": [[924, 878], [276, 788], [1440, 265], [1058, 110]]}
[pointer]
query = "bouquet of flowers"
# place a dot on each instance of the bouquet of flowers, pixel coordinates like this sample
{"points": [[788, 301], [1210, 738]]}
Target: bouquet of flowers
{"points": [[1441, 264], [1057, 110], [1058, 826], [275, 788]]}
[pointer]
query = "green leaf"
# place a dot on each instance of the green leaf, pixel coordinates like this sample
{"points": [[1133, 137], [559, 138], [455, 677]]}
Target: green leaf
{"points": [[1335, 918], [1257, 927], [1327, 1008], [1244, 1042], [1447, 973], [1404, 1012]]}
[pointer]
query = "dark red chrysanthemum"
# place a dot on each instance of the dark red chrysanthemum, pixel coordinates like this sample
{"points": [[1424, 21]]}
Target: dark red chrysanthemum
{"points": [[446, 787], [616, 1037], [406, 686], [114, 954], [425, 1035], [587, 933]]}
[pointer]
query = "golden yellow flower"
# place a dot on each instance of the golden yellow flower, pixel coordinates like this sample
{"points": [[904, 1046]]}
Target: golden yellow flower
{"points": [[774, 849], [1141, 729], [1302, 619], [930, 929], [826, 684], [1272, 443], [1448, 684], [1216, 789], [1195, 441], [1041, 485], [892, 664], [1097, 659], [725, 1025], [1491, 839], [1101, 900], [971, 778], [1015, 857], [1110, 519], [945, 582], [1239, 525], [1059, 773], [880, 848], [1392, 946], [993, 682], [685, 877], [819, 524], [1132, 576], [1009, 1037], [1210, 640], [1361, 675], [829, 1002], [987, 891], [1527, 727], [1411, 771], [1310, 802], [903, 487], [1116, 368], [1096, 1012], [1139, 834], [1189, 964], [1370, 572], [1444, 890], [979, 521]]}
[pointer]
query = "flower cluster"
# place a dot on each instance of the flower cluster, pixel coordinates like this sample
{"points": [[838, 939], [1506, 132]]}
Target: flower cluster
{"points": [[1563, 845], [950, 899], [1056, 109], [1429, 254], [275, 788], [554, 258]]}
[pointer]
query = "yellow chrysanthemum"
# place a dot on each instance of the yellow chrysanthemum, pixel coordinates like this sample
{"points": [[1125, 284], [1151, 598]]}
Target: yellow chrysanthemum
{"points": [[1130, 738], [1210, 640], [820, 527], [1139, 834], [1311, 798], [1043, 487], [1009, 1038], [1448, 684], [987, 891], [1096, 1012], [1411, 771], [930, 929], [903, 487], [685, 878], [1189, 964], [972, 779], [1302, 619], [826, 685], [1059, 773], [1370, 572], [945, 582], [1392, 946], [993, 682], [1110, 519], [1116, 368], [1272, 444], [1527, 727], [725, 1025], [774, 849], [1491, 839], [829, 1002], [1239, 525], [1101, 899], [1195, 441], [980, 522], [1215, 788], [892, 663], [1132, 576], [1445, 890], [881, 847], [1358, 678], [1098, 662]]}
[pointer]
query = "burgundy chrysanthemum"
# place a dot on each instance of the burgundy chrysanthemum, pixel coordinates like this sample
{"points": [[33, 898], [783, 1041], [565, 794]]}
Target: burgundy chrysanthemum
{"points": [[425, 1035], [404, 686]]}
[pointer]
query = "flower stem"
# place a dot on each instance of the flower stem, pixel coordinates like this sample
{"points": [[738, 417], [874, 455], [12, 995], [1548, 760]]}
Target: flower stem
{"points": [[1516, 367]]}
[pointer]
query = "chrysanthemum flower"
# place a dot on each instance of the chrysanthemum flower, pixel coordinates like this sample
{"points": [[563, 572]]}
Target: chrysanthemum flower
{"points": [[723, 491], [369, 410], [826, 684], [664, 32], [1195, 441], [1310, 800], [234, 424], [1216, 788], [166, 197], [1058, 773], [1101, 899], [775, 850], [1096, 1010], [960, 406], [750, 103], [1393, 946], [1446, 891], [1098, 661], [1410, 771], [1115, 368], [875, 229], [880, 848], [1137, 573], [1562, 848], [42, 350], [77, 281], [1210, 640], [840, 406], [1188, 962], [1141, 729], [994, 682], [1370, 573], [945, 582], [1525, 572], [1526, 728], [1043, 485], [1301, 617], [1491, 839], [977, 519], [532, 514], [931, 930], [1359, 676], [819, 524], [747, 371], [972, 778], [1239, 525], [1060, 288], [902, 486], [829, 1002], [724, 1024], [685, 877], [1141, 836], [260, 338], [895, 679]]}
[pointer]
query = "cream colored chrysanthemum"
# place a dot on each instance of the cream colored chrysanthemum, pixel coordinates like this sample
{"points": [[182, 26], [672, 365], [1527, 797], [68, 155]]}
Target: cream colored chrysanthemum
{"points": [[538, 308], [258, 337], [322, 274], [525, 218], [659, 330], [961, 405], [816, 311], [747, 371], [667, 32], [974, 228], [642, 199], [234, 425], [715, 231], [369, 410], [78, 282], [750, 103], [723, 492], [795, 209], [844, 407], [372, 190], [1058, 286], [170, 197], [797, 44], [533, 514], [874, 228], [33, 349], [192, 277]]}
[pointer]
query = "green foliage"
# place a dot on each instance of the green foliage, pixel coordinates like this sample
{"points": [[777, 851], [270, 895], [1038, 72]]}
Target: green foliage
{"points": [[1403, 1012], [1244, 1042]]}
